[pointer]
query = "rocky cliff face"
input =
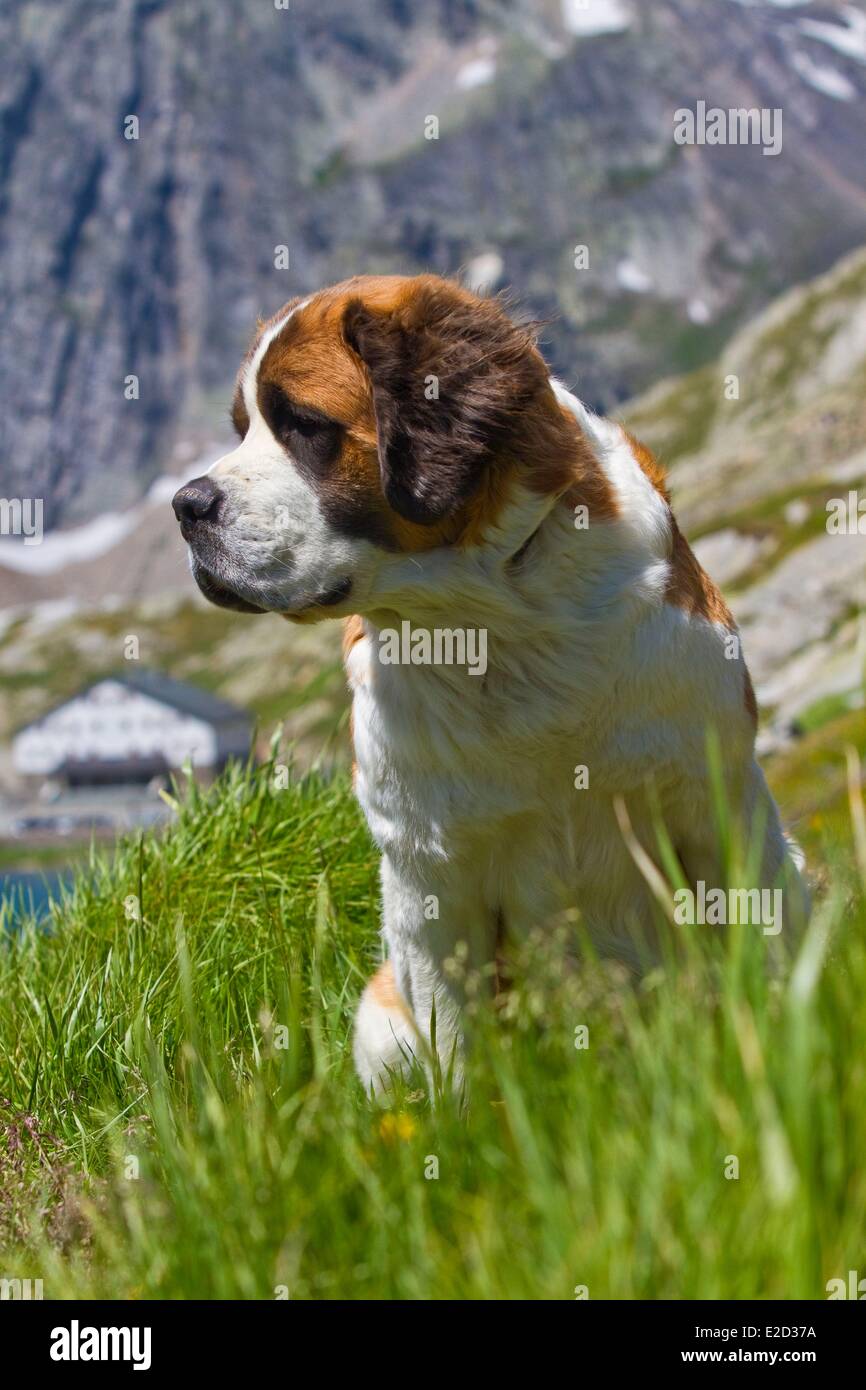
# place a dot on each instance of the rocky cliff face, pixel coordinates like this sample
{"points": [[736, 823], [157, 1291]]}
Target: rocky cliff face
{"points": [[306, 128]]}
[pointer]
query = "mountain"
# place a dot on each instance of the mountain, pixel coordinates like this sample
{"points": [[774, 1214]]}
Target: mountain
{"points": [[306, 128], [754, 480]]}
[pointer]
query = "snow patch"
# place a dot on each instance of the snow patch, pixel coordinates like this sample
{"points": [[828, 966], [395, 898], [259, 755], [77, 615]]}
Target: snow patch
{"points": [[826, 80], [630, 276], [796, 512], [779, 4], [52, 611], [61, 548], [848, 38], [163, 489], [476, 73], [587, 17], [483, 272]]}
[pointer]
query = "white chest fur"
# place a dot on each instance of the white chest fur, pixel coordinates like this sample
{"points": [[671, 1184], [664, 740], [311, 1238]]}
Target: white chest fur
{"points": [[513, 773]]}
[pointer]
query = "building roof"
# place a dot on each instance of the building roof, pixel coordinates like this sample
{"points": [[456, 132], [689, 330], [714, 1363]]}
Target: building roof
{"points": [[189, 699]]}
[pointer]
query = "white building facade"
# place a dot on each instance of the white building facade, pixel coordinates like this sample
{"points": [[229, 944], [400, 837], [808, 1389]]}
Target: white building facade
{"points": [[131, 729]]}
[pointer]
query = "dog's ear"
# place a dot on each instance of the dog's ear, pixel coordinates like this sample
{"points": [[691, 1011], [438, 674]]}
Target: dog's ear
{"points": [[451, 378]]}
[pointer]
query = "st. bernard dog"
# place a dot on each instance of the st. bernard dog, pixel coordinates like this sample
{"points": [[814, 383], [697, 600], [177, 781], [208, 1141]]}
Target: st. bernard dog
{"points": [[408, 463]]}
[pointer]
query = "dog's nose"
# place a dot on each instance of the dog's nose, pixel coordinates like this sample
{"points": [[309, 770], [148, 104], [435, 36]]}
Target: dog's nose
{"points": [[198, 500]]}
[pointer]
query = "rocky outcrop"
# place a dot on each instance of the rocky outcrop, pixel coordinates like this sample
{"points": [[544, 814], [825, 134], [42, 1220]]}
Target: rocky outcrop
{"points": [[765, 447]]}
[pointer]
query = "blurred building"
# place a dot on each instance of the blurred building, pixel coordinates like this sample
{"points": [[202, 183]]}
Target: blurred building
{"points": [[130, 729]]}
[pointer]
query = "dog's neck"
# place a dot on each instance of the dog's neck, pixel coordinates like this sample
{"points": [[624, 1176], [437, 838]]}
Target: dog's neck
{"points": [[478, 585], [539, 568]]}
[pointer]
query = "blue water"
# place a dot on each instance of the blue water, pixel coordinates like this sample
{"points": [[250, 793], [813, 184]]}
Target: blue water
{"points": [[24, 893]]}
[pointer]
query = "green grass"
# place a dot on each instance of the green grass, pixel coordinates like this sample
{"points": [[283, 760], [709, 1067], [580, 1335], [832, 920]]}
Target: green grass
{"points": [[159, 1140], [810, 782], [47, 858]]}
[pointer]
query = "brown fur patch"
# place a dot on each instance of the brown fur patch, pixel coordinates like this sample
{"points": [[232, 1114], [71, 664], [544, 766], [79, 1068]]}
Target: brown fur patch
{"points": [[383, 989], [649, 464], [750, 699], [239, 415], [353, 631], [552, 458], [587, 484], [690, 588]]}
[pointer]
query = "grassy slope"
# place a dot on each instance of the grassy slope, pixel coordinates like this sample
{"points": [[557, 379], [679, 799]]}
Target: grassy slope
{"points": [[154, 1047]]}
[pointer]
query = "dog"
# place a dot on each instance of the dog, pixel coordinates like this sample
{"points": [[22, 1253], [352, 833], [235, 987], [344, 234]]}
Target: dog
{"points": [[407, 462]]}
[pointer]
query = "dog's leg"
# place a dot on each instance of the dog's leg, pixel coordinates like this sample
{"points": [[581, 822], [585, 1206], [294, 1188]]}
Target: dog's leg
{"points": [[386, 1039], [441, 943]]}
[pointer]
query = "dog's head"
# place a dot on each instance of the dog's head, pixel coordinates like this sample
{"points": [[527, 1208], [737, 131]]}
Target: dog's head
{"points": [[382, 416]]}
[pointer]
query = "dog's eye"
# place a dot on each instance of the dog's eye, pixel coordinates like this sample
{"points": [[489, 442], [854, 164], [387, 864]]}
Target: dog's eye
{"points": [[305, 425], [289, 422], [312, 440]]}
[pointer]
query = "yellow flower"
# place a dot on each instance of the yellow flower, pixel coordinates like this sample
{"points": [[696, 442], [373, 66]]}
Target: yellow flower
{"points": [[399, 1126]]}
